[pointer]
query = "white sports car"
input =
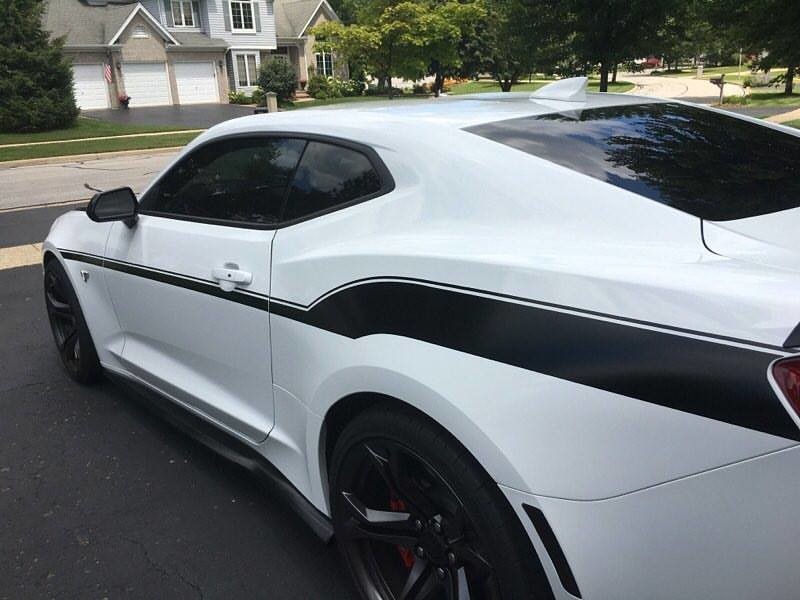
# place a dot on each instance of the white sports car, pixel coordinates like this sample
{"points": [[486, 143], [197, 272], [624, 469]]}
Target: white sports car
{"points": [[504, 346]]}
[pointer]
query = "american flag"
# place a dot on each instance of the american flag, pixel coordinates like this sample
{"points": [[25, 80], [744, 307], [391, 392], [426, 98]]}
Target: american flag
{"points": [[107, 72]]}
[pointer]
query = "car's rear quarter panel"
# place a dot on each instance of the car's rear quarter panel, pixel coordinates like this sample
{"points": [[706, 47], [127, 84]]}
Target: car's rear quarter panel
{"points": [[531, 431]]}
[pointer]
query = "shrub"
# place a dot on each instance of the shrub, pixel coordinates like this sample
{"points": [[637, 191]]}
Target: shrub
{"points": [[238, 98], [35, 78], [420, 88], [319, 87], [277, 76], [352, 87], [258, 97]]}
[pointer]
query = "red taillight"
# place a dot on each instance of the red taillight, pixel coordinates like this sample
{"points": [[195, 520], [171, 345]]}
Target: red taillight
{"points": [[787, 376]]}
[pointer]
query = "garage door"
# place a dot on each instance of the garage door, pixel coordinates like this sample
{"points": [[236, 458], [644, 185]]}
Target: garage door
{"points": [[196, 82], [146, 83], [90, 86]]}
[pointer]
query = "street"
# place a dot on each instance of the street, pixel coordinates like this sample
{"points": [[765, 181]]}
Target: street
{"points": [[99, 498], [63, 181]]}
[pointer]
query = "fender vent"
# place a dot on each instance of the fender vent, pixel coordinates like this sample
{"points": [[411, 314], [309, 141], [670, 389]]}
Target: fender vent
{"points": [[553, 549]]}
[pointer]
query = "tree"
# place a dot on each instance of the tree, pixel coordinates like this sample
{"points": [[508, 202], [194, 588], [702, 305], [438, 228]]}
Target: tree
{"points": [[523, 36], [610, 31], [446, 28], [406, 39], [35, 78], [277, 76], [772, 26]]}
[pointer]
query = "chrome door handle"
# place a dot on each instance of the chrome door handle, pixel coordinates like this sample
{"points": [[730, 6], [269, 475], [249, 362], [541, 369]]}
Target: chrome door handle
{"points": [[229, 276]]}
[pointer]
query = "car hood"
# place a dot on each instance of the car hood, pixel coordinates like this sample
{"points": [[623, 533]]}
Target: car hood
{"points": [[770, 239]]}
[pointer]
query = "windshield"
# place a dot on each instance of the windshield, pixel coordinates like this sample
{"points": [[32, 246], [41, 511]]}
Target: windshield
{"points": [[710, 165]]}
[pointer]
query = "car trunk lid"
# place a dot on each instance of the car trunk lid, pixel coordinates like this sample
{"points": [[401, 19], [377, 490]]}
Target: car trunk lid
{"points": [[769, 239]]}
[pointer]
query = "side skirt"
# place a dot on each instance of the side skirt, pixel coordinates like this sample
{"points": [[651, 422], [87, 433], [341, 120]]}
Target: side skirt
{"points": [[234, 450]]}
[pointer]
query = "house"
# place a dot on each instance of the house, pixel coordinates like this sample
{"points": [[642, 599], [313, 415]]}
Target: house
{"points": [[161, 52], [293, 21]]}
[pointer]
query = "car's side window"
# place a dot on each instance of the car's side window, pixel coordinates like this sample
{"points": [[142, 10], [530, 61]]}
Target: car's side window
{"points": [[329, 175], [239, 180]]}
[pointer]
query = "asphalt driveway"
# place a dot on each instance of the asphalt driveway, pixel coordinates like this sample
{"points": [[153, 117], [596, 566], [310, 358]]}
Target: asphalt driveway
{"points": [[193, 116], [100, 498]]}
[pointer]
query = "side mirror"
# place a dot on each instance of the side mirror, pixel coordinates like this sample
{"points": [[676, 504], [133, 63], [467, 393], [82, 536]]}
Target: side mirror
{"points": [[114, 205]]}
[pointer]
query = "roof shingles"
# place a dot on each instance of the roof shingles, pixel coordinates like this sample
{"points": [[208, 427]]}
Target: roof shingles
{"points": [[292, 16]]}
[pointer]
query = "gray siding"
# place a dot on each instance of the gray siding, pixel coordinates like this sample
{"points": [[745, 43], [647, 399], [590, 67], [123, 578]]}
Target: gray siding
{"points": [[212, 21], [261, 39], [154, 8]]}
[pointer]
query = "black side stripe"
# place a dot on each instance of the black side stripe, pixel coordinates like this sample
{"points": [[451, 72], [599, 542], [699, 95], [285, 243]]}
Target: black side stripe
{"points": [[211, 288], [553, 548], [592, 313], [707, 378], [90, 259], [698, 376]]}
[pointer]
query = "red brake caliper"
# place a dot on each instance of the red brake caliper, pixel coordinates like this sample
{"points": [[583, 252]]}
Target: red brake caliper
{"points": [[405, 554]]}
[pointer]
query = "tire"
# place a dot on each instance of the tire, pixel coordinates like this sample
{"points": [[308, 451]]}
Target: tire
{"points": [[416, 517], [70, 333]]}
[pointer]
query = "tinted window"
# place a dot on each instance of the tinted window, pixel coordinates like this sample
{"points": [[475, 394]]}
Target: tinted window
{"points": [[329, 175], [704, 163], [240, 179]]}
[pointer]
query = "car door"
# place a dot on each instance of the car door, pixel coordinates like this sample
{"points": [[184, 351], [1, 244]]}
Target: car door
{"points": [[190, 280]]}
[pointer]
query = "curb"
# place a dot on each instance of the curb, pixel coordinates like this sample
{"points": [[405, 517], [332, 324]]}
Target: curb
{"points": [[54, 160]]}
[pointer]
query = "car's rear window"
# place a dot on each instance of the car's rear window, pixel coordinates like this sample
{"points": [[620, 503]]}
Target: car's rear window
{"points": [[707, 164]]}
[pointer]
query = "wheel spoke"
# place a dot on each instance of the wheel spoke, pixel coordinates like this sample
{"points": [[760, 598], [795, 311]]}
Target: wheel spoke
{"points": [[378, 525], [462, 585], [476, 567], [68, 345], [414, 576], [421, 582], [395, 475], [60, 309]]}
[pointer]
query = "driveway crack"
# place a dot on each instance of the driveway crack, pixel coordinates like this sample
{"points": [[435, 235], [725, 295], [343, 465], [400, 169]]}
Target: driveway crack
{"points": [[163, 571]]}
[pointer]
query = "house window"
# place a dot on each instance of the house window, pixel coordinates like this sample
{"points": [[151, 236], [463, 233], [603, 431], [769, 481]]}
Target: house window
{"points": [[242, 15], [140, 32], [246, 70], [184, 13], [324, 63]]}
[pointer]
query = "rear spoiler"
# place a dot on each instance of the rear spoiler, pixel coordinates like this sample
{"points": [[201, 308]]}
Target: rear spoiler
{"points": [[794, 338]]}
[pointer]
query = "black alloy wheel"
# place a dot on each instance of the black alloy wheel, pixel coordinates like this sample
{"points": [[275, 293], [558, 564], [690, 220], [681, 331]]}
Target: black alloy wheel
{"points": [[407, 533], [74, 344]]}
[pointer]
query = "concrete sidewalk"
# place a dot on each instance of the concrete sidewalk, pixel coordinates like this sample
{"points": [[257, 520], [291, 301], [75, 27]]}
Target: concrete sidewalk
{"points": [[785, 117]]}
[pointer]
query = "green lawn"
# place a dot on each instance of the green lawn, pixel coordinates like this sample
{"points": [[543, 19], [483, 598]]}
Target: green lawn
{"points": [[96, 146], [476, 87], [795, 124], [348, 100], [84, 128], [771, 98]]}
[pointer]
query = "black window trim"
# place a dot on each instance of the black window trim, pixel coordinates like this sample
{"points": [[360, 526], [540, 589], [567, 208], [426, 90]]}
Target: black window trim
{"points": [[384, 176]]}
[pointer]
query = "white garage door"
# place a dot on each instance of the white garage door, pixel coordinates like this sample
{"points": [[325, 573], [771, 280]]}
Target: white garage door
{"points": [[146, 83], [90, 86], [197, 82]]}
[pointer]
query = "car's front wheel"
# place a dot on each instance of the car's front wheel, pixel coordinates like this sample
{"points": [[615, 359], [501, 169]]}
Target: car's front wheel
{"points": [[416, 517], [70, 333]]}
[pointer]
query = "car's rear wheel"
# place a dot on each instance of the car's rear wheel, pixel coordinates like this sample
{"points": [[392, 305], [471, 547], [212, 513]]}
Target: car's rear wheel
{"points": [[70, 333], [417, 518]]}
